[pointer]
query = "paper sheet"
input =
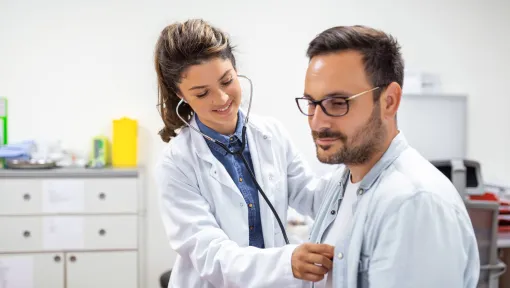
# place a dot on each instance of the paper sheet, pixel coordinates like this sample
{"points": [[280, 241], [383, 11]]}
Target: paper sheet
{"points": [[63, 233], [16, 272], [63, 196]]}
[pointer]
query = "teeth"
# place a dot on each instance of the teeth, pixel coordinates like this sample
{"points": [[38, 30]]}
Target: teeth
{"points": [[225, 109]]}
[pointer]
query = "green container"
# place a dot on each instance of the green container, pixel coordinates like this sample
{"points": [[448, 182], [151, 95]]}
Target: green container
{"points": [[3, 121]]}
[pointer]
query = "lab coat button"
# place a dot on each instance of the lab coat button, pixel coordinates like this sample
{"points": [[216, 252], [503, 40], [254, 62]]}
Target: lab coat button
{"points": [[340, 255], [241, 204], [360, 191], [270, 177], [265, 136], [333, 212]]}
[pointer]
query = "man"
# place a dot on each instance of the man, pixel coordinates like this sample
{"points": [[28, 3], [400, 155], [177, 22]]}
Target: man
{"points": [[394, 219]]}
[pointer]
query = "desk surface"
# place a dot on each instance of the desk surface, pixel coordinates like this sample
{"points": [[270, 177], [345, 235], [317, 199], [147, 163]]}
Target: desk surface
{"points": [[504, 240], [69, 172]]}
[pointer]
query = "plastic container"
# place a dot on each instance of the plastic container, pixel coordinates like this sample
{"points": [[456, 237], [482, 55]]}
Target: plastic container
{"points": [[125, 143]]}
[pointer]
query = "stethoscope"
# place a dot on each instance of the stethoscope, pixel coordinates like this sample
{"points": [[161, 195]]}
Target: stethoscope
{"points": [[239, 153]]}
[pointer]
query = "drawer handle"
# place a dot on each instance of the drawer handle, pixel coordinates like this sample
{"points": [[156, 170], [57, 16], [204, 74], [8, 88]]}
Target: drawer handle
{"points": [[26, 197], [102, 232], [26, 234], [72, 259], [57, 258], [102, 196]]}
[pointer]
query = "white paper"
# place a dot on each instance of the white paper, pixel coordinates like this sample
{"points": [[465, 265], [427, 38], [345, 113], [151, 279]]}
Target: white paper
{"points": [[63, 196], [16, 272], [63, 233]]}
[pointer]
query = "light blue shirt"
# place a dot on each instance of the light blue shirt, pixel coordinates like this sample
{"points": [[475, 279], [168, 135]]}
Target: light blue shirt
{"points": [[410, 227]]}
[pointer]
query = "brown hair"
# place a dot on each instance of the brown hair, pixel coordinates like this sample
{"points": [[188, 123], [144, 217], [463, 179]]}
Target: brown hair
{"points": [[381, 52], [180, 46]]}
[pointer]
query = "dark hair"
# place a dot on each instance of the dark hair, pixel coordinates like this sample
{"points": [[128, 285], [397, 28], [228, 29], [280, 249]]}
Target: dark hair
{"points": [[180, 46], [381, 52]]}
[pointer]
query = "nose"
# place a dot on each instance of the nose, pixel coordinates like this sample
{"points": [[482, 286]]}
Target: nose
{"points": [[320, 120], [221, 98]]}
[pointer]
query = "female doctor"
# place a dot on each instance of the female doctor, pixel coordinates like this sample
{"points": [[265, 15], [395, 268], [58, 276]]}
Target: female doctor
{"points": [[223, 231]]}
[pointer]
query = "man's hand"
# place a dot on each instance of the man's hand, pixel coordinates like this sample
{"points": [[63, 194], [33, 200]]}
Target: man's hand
{"points": [[311, 261]]}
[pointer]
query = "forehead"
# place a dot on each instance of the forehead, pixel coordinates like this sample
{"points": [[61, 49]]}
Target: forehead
{"points": [[342, 72], [206, 73]]}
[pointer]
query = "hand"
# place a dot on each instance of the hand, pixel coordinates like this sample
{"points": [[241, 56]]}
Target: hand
{"points": [[311, 261]]}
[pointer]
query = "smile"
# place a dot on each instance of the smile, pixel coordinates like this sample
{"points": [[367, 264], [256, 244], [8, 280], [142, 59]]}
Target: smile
{"points": [[224, 109]]}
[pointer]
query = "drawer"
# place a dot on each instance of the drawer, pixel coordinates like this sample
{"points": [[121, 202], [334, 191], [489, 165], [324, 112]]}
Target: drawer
{"points": [[68, 233], [36, 196]]}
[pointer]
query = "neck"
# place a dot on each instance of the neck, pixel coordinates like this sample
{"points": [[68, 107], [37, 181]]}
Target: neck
{"points": [[224, 129], [358, 172]]}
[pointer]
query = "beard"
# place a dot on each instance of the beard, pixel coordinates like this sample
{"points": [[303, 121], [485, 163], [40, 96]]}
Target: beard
{"points": [[357, 149]]}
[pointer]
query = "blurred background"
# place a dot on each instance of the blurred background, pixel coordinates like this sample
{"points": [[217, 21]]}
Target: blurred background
{"points": [[78, 88]]}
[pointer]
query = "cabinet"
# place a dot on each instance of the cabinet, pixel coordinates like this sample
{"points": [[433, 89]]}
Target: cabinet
{"points": [[72, 228]]}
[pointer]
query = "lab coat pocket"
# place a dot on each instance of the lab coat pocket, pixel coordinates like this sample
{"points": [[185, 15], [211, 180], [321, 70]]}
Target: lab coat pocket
{"points": [[363, 272]]}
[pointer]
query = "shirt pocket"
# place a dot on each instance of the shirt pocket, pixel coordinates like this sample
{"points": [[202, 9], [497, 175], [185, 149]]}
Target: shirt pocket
{"points": [[363, 272]]}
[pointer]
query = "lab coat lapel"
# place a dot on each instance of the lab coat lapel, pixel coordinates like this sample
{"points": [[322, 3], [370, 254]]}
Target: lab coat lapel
{"points": [[262, 158], [217, 171]]}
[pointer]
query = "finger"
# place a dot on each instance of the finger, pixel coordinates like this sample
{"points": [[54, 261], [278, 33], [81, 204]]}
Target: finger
{"points": [[319, 259], [312, 277], [324, 249], [313, 269]]}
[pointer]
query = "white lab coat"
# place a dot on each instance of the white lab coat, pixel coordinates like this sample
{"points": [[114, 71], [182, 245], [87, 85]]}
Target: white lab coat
{"points": [[205, 214]]}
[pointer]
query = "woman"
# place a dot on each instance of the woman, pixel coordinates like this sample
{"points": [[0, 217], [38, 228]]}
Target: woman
{"points": [[225, 235]]}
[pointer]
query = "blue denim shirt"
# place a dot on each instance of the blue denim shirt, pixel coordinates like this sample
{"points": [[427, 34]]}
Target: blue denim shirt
{"points": [[240, 175]]}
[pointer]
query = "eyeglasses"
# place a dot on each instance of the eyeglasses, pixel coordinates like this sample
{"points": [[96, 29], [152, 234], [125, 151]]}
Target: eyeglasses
{"points": [[334, 106]]}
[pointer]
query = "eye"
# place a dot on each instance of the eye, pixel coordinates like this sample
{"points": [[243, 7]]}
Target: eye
{"points": [[226, 83], [203, 94]]}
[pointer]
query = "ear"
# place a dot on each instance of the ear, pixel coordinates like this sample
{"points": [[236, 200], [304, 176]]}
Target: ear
{"points": [[390, 100]]}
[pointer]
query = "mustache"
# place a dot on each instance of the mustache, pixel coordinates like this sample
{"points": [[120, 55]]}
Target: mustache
{"points": [[328, 134]]}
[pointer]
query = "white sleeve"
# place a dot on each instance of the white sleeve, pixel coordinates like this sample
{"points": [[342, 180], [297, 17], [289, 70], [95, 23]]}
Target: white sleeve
{"points": [[193, 233], [306, 189]]}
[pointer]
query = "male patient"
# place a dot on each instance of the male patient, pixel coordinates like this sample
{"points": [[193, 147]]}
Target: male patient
{"points": [[394, 219]]}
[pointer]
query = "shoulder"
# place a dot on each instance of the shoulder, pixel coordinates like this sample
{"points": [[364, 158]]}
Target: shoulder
{"points": [[412, 180], [175, 159], [267, 124]]}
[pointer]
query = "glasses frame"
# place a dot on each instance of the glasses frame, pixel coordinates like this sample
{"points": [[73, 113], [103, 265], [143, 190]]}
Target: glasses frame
{"points": [[319, 102]]}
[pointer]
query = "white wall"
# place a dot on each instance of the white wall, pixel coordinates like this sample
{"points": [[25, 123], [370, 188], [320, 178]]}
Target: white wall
{"points": [[70, 67]]}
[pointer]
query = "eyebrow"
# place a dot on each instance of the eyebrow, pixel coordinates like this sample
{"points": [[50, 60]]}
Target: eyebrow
{"points": [[205, 86], [341, 94]]}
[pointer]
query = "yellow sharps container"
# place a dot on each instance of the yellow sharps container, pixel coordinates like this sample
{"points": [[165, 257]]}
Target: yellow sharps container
{"points": [[124, 143]]}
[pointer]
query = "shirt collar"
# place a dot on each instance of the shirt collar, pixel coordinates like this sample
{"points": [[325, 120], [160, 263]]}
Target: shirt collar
{"points": [[224, 139]]}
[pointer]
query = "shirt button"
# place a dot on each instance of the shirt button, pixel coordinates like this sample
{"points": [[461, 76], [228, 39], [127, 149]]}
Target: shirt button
{"points": [[250, 205], [240, 179], [360, 191], [231, 138], [251, 227], [333, 212], [340, 255]]}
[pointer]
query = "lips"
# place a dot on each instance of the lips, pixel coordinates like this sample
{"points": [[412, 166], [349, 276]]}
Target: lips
{"points": [[325, 141], [225, 109]]}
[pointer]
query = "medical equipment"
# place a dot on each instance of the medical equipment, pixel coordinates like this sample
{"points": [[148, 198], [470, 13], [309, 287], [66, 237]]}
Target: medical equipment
{"points": [[239, 153]]}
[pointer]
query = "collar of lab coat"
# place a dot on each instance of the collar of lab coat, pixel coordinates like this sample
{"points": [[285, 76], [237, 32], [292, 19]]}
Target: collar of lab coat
{"points": [[201, 148], [259, 139]]}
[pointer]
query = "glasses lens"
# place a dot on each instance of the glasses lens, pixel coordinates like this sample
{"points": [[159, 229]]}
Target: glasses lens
{"points": [[335, 106], [305, 106]]}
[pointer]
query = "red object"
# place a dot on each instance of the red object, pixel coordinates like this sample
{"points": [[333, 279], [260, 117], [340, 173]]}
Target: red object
{"points": [[504, 209]]}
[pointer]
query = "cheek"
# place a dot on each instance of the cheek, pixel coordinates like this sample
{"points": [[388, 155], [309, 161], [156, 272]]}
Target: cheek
{"points": [[234, 91]]}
